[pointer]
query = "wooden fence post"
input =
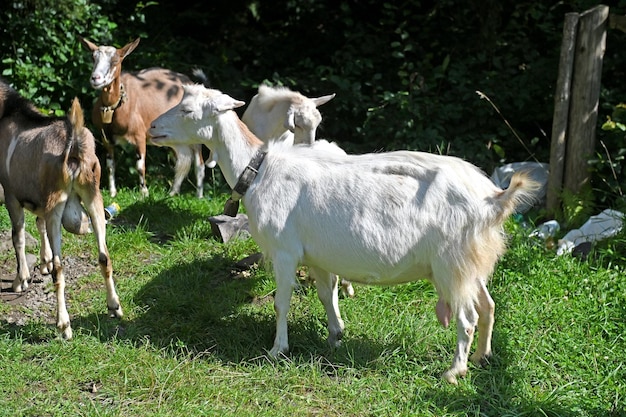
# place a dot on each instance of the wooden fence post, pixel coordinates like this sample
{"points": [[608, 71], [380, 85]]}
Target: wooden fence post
{"points": [[561, 112], [578, 133]]}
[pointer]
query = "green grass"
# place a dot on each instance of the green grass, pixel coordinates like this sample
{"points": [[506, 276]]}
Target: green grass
{"points": [[194, 337]]}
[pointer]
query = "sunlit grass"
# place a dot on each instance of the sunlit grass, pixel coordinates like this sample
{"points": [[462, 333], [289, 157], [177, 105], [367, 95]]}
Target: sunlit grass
{"points": [[196, 329]]}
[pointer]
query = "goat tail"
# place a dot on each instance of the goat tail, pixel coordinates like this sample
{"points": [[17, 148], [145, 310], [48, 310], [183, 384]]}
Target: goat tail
{"points": [[74, 148], [522, 189]]}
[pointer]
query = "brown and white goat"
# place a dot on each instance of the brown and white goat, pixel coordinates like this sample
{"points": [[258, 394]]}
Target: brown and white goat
{"points": [[383, 218], [126, 106], [49, 166]]}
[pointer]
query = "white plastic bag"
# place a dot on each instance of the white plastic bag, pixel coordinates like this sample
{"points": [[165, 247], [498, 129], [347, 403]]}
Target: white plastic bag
{"points": [[604, 225]]}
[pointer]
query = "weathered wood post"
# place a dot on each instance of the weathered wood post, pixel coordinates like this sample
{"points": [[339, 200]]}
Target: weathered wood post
{"points": [[578, 135], [561, 111]]}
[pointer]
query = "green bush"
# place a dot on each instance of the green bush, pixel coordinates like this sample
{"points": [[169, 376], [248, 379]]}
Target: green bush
{"points": [[406, 75], [41, 55]]}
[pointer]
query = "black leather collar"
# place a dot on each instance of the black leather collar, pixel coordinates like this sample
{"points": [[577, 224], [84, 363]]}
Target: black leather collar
{"points": [[243, 183], [248, 175]]}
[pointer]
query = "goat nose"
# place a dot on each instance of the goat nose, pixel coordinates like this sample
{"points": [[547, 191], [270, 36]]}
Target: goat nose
{"points": [[96, 77]]}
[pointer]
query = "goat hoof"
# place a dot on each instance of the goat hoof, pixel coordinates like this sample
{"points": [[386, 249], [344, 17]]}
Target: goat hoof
{"points": [[347, 289], [480, 360], [276, 352], [116, 312], [45, 268], [66, 334], [335, 340], [20, 286], [334, 344], [449, 377]]}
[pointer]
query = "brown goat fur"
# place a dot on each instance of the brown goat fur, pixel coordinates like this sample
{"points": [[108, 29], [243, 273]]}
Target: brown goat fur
{"points": [[48, 165], [128, 102]]}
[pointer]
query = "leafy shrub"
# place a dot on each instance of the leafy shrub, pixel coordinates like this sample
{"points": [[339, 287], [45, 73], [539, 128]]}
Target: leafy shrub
{"points": [[406, 74], [42, 57]]}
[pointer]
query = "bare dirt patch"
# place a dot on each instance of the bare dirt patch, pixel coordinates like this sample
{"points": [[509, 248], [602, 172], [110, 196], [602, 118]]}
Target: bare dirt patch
{"points": [[38, 302]]}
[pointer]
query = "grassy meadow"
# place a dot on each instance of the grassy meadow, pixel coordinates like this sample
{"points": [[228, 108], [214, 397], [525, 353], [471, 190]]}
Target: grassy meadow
{"points": [[194, 337]]}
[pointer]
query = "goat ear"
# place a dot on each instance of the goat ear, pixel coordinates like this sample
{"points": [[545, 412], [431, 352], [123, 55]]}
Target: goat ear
{"points": [[290, 121], [77, 119], [129, 47], [323, 100], [225, 102]]}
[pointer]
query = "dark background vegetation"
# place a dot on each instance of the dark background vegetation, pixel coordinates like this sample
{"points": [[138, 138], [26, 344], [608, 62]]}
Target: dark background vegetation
{"points": [[405, 72]]}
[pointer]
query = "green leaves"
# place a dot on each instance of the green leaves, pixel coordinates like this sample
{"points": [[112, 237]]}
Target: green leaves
{"points": [[404, 74]]}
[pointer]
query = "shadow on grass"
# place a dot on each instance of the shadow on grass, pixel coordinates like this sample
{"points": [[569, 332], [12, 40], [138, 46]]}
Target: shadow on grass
{"points": [[195, 307], [163, 217], [207, 306], [201, 306], [33, 333]]}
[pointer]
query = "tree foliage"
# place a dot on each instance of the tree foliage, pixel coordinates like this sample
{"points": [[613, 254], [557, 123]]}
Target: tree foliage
{"points": [[406, 73]]}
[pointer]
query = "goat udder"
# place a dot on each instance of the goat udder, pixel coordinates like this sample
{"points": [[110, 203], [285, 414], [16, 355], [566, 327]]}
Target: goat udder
{"points": [[443, 312]]}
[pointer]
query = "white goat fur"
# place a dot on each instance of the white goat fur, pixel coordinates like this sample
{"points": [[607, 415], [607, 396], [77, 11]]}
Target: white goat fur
{"points": [[280, 114], [384, 218], [274, 111], [149, 93]]}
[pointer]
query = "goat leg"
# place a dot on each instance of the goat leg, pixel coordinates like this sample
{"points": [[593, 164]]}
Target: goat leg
{"points": [[63, 318], [110, 161], [45, 252], [184, 156], [328, 293], [465, 325], [486, 309], [199, 162], [53, 228], [285, 276], [20, 283], [346, 288], [141, 168], [95, 208]]}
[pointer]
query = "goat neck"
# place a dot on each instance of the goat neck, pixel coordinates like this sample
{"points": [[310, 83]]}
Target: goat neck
{"points": [[235, 146], [112, 96]]}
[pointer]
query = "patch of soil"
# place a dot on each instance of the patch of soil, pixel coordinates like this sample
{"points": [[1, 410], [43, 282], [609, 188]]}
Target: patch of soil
{"points": [[38, 302]]}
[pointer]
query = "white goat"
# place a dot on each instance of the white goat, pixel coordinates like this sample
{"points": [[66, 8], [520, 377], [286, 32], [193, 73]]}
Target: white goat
{"points": [[280, 114], [274, 111], [127, 105], [49, 166], [385, 218]]}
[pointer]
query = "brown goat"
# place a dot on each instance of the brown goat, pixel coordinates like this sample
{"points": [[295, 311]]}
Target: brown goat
{"points": [[126, 106], [49, 166]]}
